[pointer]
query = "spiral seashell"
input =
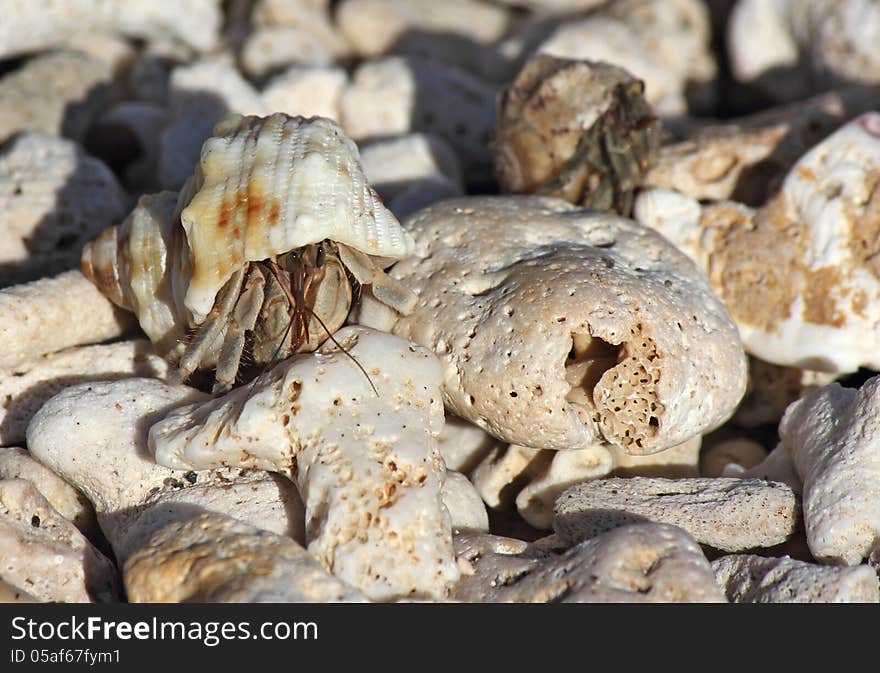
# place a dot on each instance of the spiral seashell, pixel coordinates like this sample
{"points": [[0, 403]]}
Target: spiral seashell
{"points": [[274, 228], [266, 186]]}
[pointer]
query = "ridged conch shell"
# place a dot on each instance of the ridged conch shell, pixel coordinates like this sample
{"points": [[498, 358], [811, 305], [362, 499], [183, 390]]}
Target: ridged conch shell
{"points": [[273, 228]]}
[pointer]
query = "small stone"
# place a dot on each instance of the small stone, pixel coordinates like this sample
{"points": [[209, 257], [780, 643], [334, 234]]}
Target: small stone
{"points": [[53, 199], [412, 171], [217, 559], [307, 91], [269, 50], [42, 24], [45, 555], [747, 578], [727, 514], [559, 328], [399, 95], [375, 27], [18, 463], [740, 451], [466, 509], [643, 563], [58, 93], [362, 449]]}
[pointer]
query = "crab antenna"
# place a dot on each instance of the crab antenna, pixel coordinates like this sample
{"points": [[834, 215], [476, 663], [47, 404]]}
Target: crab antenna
{"points": [[340, 347]]}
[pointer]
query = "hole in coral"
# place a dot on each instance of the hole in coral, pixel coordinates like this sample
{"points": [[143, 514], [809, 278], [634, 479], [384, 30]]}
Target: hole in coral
{"points": [[588, 359]]}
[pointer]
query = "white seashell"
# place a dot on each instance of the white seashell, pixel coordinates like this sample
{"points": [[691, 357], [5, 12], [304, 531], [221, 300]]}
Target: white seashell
{"points": [[266, 186]]}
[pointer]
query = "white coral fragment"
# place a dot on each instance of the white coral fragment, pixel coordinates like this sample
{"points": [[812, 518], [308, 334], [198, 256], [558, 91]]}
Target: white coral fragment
{"points": [[834, 439], [362, 446]]}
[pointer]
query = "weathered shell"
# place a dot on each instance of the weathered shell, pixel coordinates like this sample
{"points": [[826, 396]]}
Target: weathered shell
{"points": [[266, 186], [579, 130], [130, 265]]}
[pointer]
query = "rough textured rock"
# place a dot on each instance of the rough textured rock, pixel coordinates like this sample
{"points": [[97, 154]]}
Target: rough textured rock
{"points": [[41, 24], [746, 578], [95, 436], [613, 333], [53, 199], [24, 389], [45, 555], [645, 563], [17, 463], [52, 314], [57, 93], [217, 559], [362, 449], [834, 440], [728, 514]]}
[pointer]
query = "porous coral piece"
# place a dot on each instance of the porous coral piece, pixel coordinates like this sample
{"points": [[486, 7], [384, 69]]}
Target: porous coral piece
{"points": [[53, 198], [834, 440], [24, 388], [217, 559], [45, 555], [728, 514], [35, 318], [728, 456], [747, 578], [559, 327], [578, 130], [466, 508], [362, 449], [799, 276], [95, 436], [642, 563]]}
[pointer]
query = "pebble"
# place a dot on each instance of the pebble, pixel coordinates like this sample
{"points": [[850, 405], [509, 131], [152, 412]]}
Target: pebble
{"points": [[58, 93], [53, 199], [363, 452], [724, 513], [18, 463], [218, 559], [36, 317], [747, 578]]}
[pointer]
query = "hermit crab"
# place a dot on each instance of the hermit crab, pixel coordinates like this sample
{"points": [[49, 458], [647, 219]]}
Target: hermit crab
{"points": [[261, 253], [579, 130]]}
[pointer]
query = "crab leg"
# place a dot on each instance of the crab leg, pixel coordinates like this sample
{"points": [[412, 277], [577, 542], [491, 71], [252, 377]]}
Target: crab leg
{"points": [[209, 329], [243, 318]]}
